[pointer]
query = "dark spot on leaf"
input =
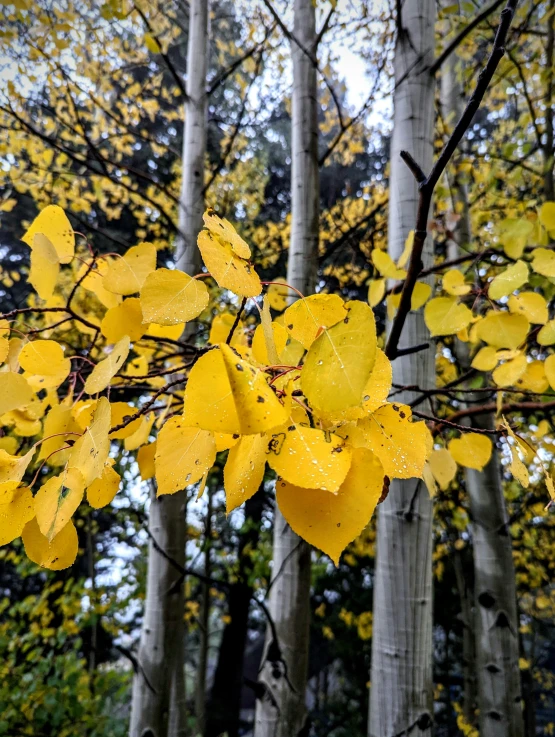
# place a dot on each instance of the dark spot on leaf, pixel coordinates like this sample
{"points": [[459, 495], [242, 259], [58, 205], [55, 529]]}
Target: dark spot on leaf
{"points": [[260, 400], [239, 367]]}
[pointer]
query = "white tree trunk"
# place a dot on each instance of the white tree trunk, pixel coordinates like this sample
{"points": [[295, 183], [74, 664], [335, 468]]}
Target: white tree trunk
{"points": [[401, 698], [290, 594], [161, 652], [194, 140], [496, 620], [158, 703]]}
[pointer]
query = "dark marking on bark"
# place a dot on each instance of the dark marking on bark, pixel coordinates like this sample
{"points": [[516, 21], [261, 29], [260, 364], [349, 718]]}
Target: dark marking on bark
{"points": [[486, 600], [495, 715]]}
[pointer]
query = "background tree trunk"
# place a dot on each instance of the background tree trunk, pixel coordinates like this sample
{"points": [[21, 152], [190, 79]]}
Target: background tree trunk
{"points": [[496, 621], [224, 704], [401, 679], [158, 701], [290, 592], [161, 650]]}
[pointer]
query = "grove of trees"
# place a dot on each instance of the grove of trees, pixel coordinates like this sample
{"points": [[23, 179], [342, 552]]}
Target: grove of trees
{"points": [[277, 376]]}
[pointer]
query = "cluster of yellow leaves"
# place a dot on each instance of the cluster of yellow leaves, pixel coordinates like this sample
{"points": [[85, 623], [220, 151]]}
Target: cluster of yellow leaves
{"points": [[307, 395]]}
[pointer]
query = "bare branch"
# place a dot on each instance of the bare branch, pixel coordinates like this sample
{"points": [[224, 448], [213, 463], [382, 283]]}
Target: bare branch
{"points": [[427, 186]]}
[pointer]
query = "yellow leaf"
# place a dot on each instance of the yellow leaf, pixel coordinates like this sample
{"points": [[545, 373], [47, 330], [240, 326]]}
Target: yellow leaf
{"points": [[547, 215], [429, 480], [57, 554], [103, 489], [15, 515], [486, 359], [446, 316], [52, 222], [453, 283], [306, 318], [419, 297], [224, 441], [90, 452], [309, 457], [224, 230], [376, 291], [508, 373], [145, 460], [45, 266], [170, 297], [59, 427], [57, 500], [546, 335], [543, 261], [339, 362], [400, 444], [534, 378], [509, 280], [124, 319], [12, 470], [331, 521], [378, 385], [94, 282], [514, 234], [258, 408], [173, 332], [103, 372], [127, 275], [221, 328], [152, 44], [141, 434], [278, 294], [228, 269], [43, 357], [244, 470], [260, 345], [443, 467], [518, 469], [530, 304], [120, 411], [15, 391], [266, 322], [404, 257], [386, 266], [208, 399], [183, 455], [502, 329], [549, 366], [471, 450]]}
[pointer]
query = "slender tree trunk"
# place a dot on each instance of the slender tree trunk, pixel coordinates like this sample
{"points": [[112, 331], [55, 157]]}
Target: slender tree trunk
{"points": [[548, 181], [290, 592], [160, 651], [496, 620], [158, 706], [200, 693], [401, 679], [224, 705], [468, 641]]}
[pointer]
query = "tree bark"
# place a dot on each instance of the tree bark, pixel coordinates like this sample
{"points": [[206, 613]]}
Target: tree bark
{"points": [[548, 180], [204, 622], [194, 140], [496, 620], [401, 699], [224, 704], [161, 652], [285, 678], [158, 706]]}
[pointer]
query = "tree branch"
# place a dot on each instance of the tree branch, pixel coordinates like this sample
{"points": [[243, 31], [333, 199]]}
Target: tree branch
{"points": [[463, 33], [427, 186]]}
